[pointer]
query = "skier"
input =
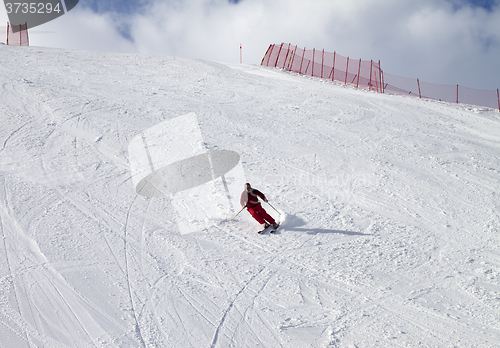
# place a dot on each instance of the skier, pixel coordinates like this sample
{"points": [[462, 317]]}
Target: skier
{"points": [[250, 200]]}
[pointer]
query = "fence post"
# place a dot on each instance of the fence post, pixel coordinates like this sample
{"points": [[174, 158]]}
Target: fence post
{"points": [[346, 70], [262, 61], [333, 70], [302, 61], [371, 67], [293, 58], [359, 71], [278, 56], [322, 62], [457, 94], [307, 67], [419, 93], [287, 53], [8, 29], [380, 76], [312, 69], [269, 48], [498, 97], [382, 81], [270, 54]]}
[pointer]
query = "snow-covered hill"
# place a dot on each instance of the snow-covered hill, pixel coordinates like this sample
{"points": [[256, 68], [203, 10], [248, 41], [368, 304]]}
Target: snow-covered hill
{"points": [[389, 205]]}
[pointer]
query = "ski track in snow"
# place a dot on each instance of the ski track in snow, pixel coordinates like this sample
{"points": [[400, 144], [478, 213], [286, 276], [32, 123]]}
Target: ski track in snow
{"points": [[390, 211]]}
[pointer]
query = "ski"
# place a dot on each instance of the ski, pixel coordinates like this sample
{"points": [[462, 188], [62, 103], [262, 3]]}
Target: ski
{"points": [[274, 229], [261, 231]]}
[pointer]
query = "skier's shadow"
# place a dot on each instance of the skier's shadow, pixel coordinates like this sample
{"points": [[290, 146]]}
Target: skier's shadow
{"points": [[293, 223]]}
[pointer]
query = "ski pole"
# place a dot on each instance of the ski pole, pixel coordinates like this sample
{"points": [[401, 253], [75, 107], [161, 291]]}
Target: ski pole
{"points": [[273, 208], [238, 213]]}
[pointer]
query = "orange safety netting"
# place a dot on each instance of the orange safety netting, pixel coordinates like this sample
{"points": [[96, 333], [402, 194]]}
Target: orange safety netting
{"points": [[20, 38], [368, 74], [449, 93], [327, 65]]}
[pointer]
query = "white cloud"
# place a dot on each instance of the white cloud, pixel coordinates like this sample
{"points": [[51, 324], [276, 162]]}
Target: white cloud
{"points": [[430, 39], [81, 29]]}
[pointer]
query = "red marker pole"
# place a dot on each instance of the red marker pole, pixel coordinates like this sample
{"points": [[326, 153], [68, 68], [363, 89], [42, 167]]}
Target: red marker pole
{"points": [[346, 70], [241, 55], [498, 97]]}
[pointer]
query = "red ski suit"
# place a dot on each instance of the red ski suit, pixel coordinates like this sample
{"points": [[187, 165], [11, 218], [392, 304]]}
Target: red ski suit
{"points": [[251, 201]]}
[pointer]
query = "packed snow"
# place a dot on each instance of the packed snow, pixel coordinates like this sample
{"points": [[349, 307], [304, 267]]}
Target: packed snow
{"points": [[389, 208]]}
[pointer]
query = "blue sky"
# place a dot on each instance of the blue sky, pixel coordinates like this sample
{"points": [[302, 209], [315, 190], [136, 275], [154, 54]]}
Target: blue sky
{"points": [[130, 6], [485, 4], [440, 41]]}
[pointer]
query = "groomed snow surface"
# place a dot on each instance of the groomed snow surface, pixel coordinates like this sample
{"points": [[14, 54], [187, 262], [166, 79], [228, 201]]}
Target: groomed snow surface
{"points": [[389, 205]]}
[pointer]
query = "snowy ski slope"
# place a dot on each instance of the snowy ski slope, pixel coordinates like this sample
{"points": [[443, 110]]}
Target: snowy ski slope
{"points": [[389, 205]]}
